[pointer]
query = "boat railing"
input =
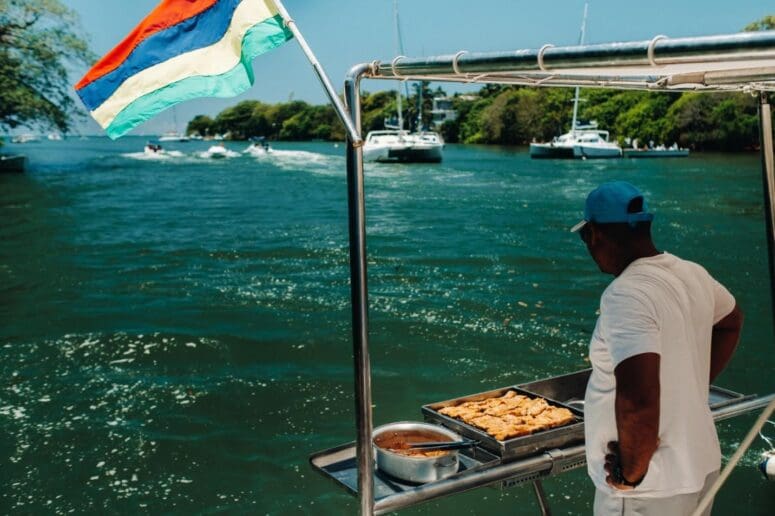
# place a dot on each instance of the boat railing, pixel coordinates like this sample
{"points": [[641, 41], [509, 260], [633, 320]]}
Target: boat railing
{"points": [[742, 62]]}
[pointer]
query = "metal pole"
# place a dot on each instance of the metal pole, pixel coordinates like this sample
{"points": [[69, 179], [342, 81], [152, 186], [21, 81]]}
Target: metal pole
{"points": [[768, 177], [359, 295], [349, 126], [538, 488]]}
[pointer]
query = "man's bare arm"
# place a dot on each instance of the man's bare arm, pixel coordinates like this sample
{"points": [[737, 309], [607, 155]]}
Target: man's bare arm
{"points": [[637, 413], [726, 335]]}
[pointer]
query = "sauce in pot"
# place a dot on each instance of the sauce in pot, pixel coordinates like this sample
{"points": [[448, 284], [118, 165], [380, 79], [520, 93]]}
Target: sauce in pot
{"points": [[399, 441]]}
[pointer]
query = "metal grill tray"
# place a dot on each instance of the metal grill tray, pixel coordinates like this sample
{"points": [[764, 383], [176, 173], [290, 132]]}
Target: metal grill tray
{"points": [[518, 446]]}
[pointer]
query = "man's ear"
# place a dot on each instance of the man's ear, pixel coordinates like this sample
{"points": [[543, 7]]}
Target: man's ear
{"points": [[594, 234]]}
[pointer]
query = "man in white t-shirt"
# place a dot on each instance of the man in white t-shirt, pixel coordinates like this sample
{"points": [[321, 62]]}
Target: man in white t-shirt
{"points": [[666, 330]]}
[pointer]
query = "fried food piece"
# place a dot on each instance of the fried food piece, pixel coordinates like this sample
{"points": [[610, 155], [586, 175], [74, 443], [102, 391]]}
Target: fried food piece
{"points": [[509, 416]]}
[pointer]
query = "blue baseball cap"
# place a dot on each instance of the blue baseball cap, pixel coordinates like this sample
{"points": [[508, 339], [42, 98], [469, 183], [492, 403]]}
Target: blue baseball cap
{"points": [[610, 203]]}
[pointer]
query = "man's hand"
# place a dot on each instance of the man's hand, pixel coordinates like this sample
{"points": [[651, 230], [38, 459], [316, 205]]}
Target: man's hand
{"points": [[613, 468]]}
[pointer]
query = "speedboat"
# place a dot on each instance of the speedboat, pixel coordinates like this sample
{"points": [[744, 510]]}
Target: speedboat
{"points": [[153, 149], [581, 143], [259, 147], [391, 146], [218, 151]]}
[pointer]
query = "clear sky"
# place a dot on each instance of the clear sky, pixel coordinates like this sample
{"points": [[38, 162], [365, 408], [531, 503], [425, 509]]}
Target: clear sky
{"points": [[345, 32]]}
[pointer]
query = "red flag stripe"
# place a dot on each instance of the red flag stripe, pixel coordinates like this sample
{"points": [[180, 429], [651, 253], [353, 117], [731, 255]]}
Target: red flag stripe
{"points": [[166, 14]]}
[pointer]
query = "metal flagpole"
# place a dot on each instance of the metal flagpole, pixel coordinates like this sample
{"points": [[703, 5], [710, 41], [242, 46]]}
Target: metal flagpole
{"points": [[360, 299], [352, 132]]}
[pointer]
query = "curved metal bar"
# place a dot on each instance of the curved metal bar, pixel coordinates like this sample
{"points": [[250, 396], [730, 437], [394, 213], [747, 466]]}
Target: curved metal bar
{"points": [[359, 294], [752, 45]]}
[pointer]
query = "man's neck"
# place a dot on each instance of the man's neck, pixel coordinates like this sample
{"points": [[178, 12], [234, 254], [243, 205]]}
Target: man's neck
{"points": [[636, 251]]}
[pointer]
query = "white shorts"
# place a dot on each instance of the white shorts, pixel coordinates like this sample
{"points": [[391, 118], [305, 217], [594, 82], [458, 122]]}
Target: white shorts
{"points": [[678, 505]]}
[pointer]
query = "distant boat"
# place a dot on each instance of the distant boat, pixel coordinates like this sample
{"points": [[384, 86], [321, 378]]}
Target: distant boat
{"points": [[13, 164], [55, 137], [258, 147], [153, 148], [584, 140], [394, 144], [218, 151], [657, 152], [173, 136], [25, 138]]}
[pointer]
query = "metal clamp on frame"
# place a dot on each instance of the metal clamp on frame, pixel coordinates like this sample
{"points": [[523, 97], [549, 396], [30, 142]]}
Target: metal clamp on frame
{"points": [[556, 456], [652, 44], [393, 64], [541, 56], [455, 65]]}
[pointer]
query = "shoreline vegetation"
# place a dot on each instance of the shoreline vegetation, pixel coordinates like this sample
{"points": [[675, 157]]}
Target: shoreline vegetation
{"points": [[513, 115]]}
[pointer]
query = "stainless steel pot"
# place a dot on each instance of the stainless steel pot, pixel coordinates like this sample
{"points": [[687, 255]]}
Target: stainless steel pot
{"points": [[412, 468]]}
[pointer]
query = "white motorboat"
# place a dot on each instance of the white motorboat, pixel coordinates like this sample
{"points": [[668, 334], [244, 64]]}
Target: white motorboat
{"points": [[218, 151], [391, 146], [259, 147], [584, 142], [153, 149]]}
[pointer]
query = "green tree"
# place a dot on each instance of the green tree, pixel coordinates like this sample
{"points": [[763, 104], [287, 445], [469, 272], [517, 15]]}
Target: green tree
{"points": [[766, 23], [39, 41], [201, 124]]}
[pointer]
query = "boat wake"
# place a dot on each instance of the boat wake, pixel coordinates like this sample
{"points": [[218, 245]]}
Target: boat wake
{"points": [[305, 161]]}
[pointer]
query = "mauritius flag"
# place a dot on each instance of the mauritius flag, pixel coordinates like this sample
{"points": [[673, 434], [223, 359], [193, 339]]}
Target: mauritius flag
{"points": [[183, 50]]}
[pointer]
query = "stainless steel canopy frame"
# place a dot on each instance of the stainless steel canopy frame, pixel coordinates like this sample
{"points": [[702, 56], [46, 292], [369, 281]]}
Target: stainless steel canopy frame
{"points": [[739, 62]]}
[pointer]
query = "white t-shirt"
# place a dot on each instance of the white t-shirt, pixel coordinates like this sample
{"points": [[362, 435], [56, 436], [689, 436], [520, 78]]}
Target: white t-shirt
{"points": [[664, 305]]}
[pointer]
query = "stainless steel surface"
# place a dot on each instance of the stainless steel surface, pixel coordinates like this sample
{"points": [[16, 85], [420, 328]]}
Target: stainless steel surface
{"points": [[746, 405], [768, 178], [478, 467], [519, 471], [416, 469], [352, 132], [518, 446], [359, 297]]}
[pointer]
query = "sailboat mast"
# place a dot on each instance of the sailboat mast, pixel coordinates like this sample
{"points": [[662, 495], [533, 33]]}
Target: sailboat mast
{"points": [[576, 98], [400, 47]]}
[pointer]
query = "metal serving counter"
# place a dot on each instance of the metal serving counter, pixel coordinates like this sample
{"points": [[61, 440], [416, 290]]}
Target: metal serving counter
{"points": [[479, 467]]}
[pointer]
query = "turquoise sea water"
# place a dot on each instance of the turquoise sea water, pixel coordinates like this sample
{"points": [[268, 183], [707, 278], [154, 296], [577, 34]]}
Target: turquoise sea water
{"points": [[175, 334]]}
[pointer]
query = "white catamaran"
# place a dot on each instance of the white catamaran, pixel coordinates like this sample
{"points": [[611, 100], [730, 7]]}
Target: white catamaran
{"points": [[395, 144], [584, 140]]}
